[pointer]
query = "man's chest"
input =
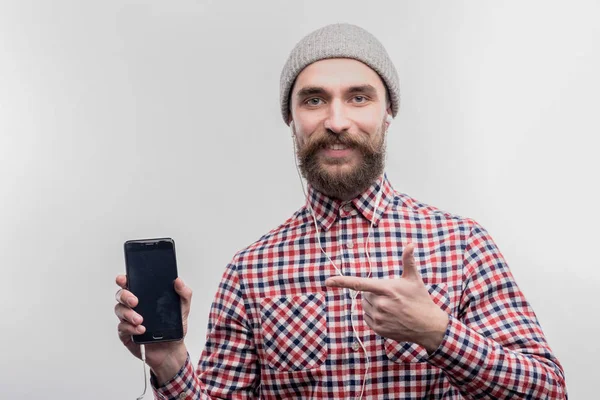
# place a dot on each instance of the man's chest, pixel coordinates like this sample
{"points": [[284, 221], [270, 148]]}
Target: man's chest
{"points": [[308, 334], [300, 262]]}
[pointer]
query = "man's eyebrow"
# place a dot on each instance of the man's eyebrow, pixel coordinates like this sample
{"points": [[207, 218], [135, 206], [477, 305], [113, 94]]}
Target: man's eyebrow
{"points": [[366, 89], [310, 91]]}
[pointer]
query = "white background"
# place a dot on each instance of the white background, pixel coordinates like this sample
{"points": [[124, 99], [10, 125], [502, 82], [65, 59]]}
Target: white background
{"points": [[136, 119]]}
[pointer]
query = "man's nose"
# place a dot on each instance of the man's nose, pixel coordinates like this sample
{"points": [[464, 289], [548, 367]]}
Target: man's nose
{"points": [[337, 121]]}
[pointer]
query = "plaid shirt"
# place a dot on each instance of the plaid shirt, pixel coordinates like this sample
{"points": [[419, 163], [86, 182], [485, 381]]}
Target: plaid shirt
{"points": [[276, 331]]}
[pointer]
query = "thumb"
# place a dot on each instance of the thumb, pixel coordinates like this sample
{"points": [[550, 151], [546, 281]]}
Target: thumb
{"points": [[183, 291], [409, 265]]}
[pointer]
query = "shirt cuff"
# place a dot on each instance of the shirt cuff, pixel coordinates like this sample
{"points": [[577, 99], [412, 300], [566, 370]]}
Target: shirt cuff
{"points": [[461, 352], [184, 385]]}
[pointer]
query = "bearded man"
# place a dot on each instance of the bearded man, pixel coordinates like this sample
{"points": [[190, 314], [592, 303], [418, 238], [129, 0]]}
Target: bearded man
{"points": [[364, 292]]}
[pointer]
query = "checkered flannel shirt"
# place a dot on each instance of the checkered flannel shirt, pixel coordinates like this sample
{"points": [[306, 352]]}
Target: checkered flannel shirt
{"points": [[275, 330]]}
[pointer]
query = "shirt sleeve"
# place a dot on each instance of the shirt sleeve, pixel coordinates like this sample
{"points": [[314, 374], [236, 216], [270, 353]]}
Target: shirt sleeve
{"points": [[184, 385], [495, 348], [228, 367]]}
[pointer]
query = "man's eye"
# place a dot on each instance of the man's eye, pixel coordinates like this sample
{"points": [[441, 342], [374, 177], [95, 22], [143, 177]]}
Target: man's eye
{"points": [[360, 99], [314, 101]]}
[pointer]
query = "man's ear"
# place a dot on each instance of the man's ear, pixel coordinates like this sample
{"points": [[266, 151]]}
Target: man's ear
{"points": [[388, 118]]}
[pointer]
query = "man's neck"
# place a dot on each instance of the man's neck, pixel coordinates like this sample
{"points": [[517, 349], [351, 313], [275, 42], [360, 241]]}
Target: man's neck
{"points": [[341, 196], [347, 196]]}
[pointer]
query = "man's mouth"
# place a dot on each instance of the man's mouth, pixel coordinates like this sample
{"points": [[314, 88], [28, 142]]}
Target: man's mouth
{"points": [[337, 146]]}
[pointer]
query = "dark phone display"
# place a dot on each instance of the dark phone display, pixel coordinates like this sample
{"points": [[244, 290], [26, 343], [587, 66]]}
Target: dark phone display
{"points": [[151, 272]]}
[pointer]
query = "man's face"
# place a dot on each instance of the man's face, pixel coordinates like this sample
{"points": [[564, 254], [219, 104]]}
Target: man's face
{"points": [[338, 108]]}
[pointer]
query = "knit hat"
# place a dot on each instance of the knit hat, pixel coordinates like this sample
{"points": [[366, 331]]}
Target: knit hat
{"points": [[339, 41]]}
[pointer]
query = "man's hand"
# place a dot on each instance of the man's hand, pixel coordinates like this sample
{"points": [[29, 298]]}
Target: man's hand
{"points": [[399, 309], [165, 359]]}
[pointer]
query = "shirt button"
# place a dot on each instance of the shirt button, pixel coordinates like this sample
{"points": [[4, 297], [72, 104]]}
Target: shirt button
{"points": [[347, 207], [355, 346], [182, 396], [349, 244]]}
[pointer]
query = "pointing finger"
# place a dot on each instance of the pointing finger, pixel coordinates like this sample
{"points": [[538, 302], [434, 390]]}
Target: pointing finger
{"points": [[359, 284]]}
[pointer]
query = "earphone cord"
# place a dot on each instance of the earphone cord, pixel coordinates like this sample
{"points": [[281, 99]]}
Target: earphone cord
{"points": [[143, 350]]}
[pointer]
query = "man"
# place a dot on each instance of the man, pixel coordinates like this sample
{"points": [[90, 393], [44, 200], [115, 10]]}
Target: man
{"points": [[364, 292]]}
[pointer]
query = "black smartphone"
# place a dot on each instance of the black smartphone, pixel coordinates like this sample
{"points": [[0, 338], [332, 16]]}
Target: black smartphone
{"points": [[151, 272]]}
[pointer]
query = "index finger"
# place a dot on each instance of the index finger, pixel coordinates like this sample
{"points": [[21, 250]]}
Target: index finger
{"points": [[370, 285], [121, 281]]}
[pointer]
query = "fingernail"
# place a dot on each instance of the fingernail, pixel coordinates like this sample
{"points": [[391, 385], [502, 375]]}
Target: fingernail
{"points": [[137, 319], [130, 301], [141, 329]]}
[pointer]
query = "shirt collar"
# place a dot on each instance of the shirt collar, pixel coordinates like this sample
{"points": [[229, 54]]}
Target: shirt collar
{"points": [[327, 209]]}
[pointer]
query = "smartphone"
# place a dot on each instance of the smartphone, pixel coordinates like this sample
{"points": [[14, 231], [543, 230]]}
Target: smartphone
{"points": [[151, 272]]}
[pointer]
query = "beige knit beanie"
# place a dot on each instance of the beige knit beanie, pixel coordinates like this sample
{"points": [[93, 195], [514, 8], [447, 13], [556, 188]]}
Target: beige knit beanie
{"points": [[339, 41]]}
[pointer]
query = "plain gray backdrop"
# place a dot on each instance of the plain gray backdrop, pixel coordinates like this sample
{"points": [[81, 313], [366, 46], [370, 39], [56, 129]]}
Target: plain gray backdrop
{"points": [[137, 119]]}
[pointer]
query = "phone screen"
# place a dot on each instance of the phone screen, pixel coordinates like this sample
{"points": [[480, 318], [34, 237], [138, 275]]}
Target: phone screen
{"points": [[151, 273]]}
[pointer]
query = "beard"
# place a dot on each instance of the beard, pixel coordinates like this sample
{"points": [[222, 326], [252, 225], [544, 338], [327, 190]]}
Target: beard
{"points": [[342, 182]]}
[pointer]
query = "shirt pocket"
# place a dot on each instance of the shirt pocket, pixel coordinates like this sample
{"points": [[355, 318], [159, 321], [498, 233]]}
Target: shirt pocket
{"points": [[294, 331], [408, 352]]}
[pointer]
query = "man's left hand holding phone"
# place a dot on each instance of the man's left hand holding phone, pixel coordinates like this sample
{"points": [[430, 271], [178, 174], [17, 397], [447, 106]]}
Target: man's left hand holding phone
{"points": [[146, 310]]}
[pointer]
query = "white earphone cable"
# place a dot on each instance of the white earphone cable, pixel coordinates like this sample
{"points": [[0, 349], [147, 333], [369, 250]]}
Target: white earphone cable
{"points": [[353, 294], [143, 351]]}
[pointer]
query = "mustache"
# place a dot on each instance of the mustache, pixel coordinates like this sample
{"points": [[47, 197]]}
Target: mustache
{"points": [[326, 138]]}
